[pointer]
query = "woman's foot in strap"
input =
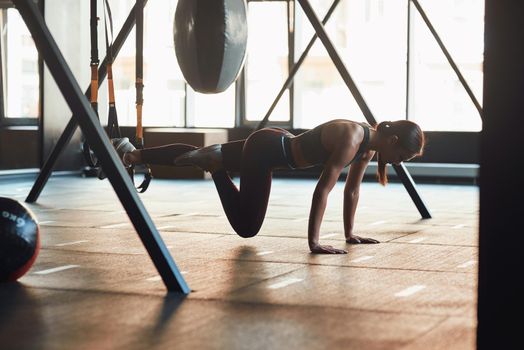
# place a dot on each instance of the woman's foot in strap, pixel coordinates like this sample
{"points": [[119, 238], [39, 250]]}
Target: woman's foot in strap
{"points": [[126, 151], [206, 158]]}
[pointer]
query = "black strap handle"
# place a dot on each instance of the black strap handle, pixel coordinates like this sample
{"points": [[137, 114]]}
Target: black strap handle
{"points": [[89, 155], [139, 85]]}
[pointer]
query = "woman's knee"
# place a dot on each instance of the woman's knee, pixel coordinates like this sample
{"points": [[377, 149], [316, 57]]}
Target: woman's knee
{"points": [[248, 230]]}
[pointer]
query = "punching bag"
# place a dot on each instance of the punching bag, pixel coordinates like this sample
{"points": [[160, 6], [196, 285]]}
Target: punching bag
{"points": [[19, 239], [210, 42]]}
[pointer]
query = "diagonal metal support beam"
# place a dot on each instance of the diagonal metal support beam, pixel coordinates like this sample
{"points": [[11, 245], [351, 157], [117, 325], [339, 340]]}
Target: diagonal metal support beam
{"points": [[342, 70], [335, 57], [67, 134], [98, 140]]}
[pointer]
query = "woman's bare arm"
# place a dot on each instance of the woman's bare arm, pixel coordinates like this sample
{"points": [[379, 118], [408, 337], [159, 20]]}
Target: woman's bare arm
{"points": [[343, 152], [325, 184], [351, 197]]}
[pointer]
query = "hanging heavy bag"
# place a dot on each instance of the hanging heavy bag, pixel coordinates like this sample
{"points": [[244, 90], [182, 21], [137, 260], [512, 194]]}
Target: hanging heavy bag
{"points": [[210, 42]]}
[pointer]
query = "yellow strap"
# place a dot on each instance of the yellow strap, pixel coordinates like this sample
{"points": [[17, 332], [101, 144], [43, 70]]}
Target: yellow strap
{"points": [[94, 83], [110, 85], [139, 105], [139, 129]]}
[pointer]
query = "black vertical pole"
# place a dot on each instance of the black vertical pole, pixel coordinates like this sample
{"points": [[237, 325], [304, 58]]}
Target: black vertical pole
{"points": [[291, 54], [342, 70], [2, 63], [408, 57], [501, 261], [98, 140], [240, 98], [139, 70]]}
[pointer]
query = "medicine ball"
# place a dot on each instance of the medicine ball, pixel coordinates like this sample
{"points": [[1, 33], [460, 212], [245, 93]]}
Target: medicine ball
{"points": [[210, 42], [19, 239]]}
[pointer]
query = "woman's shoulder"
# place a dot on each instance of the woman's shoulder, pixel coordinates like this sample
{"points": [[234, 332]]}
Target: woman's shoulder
{"points": [[343, 132], [340, 121], [345, 126], [338, 128], [347, 123]]}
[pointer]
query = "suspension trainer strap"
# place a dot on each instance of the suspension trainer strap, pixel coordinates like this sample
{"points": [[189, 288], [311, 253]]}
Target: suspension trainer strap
{"points": [[139, 85], [113, 129], [94, 55], [139, 69], [89, 156]]}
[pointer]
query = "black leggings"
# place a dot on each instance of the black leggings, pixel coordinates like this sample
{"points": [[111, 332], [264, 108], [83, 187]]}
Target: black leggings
{"points": [[255, 158]]}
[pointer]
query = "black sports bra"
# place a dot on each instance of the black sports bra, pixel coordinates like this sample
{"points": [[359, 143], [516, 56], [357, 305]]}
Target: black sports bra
{"points": [[363, 144], [315, 153]]}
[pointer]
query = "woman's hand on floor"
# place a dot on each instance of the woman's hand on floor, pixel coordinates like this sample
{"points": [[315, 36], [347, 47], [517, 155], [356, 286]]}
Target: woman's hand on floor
{"points": [[360, 240], [326, 249]]}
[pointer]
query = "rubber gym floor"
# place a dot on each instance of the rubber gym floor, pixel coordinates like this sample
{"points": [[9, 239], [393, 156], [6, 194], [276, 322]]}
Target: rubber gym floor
{"points": [[93, 285]]}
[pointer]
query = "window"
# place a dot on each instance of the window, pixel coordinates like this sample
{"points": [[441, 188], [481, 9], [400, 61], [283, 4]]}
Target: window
{"points": [[438, 101], [212, 110], [164, 86], [370, 37], [20, 71], [267, 60], [400, 74]]}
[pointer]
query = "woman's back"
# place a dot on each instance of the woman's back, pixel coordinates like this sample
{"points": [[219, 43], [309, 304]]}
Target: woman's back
{"points": [[316, 145]]}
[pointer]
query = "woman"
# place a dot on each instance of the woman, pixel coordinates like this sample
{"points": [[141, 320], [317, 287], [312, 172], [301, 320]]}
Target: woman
{"points": [[333, 145]]}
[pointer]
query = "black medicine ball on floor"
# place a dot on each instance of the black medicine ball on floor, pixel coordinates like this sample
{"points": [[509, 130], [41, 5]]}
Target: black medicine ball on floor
{"points": [[19, 239], [210, 42]]}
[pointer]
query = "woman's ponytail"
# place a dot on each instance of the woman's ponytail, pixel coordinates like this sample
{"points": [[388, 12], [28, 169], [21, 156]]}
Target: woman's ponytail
{"points": [[382, 176]]}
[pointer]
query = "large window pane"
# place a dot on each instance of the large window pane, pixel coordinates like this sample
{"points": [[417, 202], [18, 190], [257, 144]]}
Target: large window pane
{"points": [[20, 64], [438, 99], [370, 36], [267, 60], [164, 90], [214, 110]]}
